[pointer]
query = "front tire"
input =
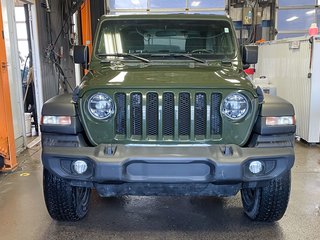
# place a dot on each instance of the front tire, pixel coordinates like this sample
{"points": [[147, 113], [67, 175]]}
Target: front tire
{"points": [[64, 202], [269, 203]]}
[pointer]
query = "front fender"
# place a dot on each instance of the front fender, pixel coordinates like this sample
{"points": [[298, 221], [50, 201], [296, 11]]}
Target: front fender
{"points": [[274, 107], [61, 105]]}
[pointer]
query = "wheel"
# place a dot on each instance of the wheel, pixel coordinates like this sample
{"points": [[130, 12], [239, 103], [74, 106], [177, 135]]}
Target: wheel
{"points": [[269, 203], [64, 202]]}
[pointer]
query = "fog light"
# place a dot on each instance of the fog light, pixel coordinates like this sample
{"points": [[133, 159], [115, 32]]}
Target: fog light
{"points": [[255, 167], [80, 166]]}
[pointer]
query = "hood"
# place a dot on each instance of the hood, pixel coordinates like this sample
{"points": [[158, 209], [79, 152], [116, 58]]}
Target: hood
{"points": [[155, 77]]}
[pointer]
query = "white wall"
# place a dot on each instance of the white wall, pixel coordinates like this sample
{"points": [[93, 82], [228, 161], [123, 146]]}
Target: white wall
{"points": [[36, 60], [288, 70]]}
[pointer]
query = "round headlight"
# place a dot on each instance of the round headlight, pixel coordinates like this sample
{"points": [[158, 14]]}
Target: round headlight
{"points": [[235, 106], [101, 106]]}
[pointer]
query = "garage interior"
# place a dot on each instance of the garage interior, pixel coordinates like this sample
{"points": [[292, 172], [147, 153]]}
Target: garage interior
{"points": [[37, 64]]}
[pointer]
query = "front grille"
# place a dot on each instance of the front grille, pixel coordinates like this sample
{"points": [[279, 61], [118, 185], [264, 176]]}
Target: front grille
{"points": [[168, 116]]}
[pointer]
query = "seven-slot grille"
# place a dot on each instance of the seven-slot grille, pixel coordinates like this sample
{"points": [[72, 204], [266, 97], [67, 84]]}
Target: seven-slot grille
{"points": [[168, 116]]}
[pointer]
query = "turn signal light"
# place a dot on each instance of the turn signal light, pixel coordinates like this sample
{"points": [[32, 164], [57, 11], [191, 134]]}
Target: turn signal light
{"points": [[276, 121], [56, 120]]}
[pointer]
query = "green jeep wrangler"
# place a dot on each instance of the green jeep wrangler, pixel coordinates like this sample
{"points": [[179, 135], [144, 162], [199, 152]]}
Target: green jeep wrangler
{"points": [[167, 110]]}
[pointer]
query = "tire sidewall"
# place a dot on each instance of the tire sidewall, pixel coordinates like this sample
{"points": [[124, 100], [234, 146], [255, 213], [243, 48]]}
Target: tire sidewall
{"points": [[252, 208]]}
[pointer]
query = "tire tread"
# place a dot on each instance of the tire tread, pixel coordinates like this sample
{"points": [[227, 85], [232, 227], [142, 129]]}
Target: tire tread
{"points": [[60, 198], [272, 200]]}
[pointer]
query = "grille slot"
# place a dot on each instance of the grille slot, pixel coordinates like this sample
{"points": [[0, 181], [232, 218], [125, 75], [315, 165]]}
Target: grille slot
{"points": [[216, 120], [168, 114], [200, 114], [184, 114], [136, 114], [121, 113], [152, 114]]}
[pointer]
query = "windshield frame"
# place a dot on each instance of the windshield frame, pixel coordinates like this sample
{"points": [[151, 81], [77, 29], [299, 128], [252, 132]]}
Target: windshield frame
{"points": [[204, 56]]}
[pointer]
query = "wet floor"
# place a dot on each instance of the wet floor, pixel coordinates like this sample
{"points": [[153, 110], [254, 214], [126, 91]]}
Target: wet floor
{"points": [[23, 214]]}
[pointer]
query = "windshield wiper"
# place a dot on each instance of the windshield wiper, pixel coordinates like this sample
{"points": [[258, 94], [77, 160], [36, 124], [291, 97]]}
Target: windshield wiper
{"points": [[191, 57], [125, 55], [179, 55]]}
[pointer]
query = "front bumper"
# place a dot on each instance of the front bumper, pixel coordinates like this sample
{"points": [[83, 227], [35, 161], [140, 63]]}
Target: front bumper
{"points": [[217, 164]]}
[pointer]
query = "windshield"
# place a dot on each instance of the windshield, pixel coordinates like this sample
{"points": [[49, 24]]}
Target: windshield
{"points": [[210, 39]]}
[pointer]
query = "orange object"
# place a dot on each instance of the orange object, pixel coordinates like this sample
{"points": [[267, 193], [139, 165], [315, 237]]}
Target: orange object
{"points": [[86, 26], [260, 41], [7, 142]]}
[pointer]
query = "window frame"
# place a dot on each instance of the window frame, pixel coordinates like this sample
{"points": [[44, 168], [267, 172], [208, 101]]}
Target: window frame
{"points": [[296, 7], [99, 32], [150, 10]]}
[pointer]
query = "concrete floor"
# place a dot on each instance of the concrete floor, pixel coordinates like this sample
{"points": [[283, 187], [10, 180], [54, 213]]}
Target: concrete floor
{"points": [[23, 214]]}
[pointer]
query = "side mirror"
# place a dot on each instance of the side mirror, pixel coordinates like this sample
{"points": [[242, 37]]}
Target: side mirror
{"points": [[250, 54], [81, 55]]}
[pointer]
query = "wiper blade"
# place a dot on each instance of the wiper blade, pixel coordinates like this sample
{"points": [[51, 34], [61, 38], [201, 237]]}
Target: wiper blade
{"points": [[125, 55], [191, 57], [179, 55]]}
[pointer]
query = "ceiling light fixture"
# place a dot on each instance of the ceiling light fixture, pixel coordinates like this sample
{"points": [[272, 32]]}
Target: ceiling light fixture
{"points": [[136, 2], [195, 3], [292, 19], [311, 12]]}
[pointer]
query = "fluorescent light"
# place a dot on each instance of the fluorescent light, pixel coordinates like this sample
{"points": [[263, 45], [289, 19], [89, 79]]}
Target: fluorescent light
{"points": [[311, 12], [135, 2], [195, 3], [292, 19]]}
